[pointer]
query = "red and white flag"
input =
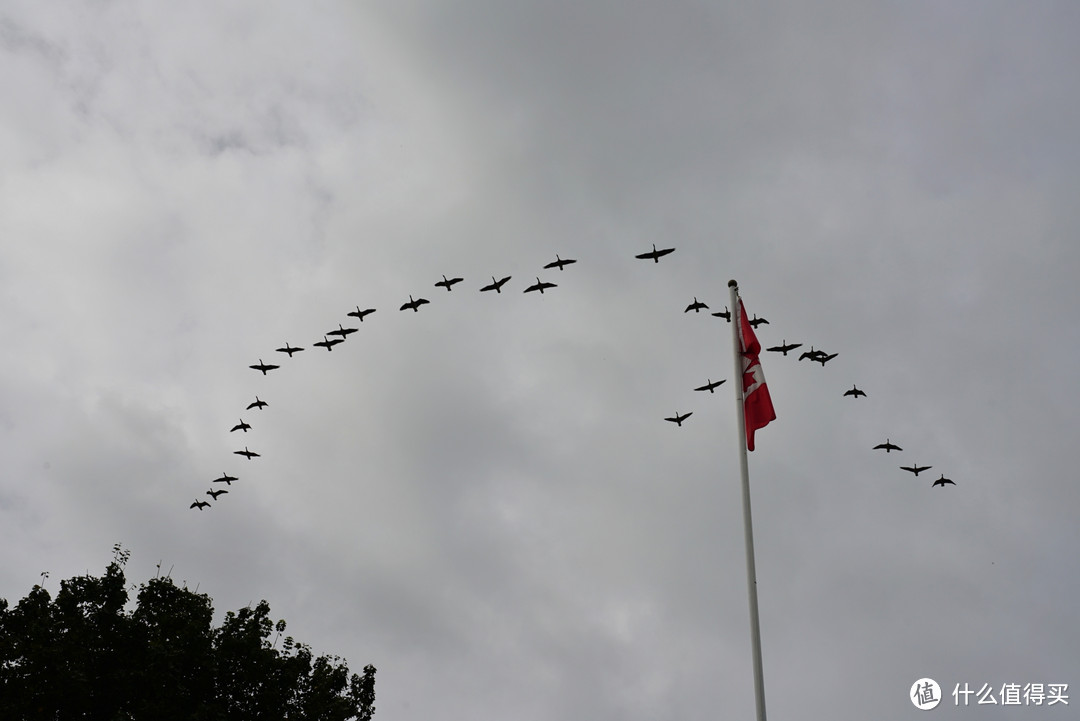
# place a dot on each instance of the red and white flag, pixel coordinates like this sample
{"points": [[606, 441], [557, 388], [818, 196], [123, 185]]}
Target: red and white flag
{"points": [[757, 404]]}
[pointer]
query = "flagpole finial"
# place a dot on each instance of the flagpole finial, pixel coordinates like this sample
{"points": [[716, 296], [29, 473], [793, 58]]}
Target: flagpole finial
{"points": [[732, 284]]}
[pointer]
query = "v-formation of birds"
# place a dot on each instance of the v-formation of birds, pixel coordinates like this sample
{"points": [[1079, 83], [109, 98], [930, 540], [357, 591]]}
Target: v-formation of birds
{"points": [[414, 304]]}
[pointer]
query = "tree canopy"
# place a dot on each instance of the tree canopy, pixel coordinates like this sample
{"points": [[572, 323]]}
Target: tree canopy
{"points": [[84, 655]]}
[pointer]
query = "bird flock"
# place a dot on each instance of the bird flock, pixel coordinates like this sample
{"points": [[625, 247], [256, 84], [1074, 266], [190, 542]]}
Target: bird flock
{"points": [[812, 355], [341, 333]]}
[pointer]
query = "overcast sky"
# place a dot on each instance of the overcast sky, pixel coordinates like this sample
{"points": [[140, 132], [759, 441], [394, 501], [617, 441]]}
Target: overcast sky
{"points": [[483, 498]]}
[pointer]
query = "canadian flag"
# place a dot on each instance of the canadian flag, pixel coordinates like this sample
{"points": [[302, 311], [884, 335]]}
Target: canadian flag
{"points": [[757, 404]]}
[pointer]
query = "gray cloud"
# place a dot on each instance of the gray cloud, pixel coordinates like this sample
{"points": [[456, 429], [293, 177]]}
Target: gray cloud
{"points": [[482, 498]]}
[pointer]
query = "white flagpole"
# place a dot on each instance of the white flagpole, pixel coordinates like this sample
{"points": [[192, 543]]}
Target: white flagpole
{"points": [[751, 573]]}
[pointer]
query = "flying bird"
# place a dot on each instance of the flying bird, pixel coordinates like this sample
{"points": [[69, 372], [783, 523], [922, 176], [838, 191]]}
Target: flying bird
{"points": [[854, 392], [226, 479], [246, 452], [557, 263], [824, 358], [241, 426], [342, 331], [677, 420], [288, 349], [540, 286], [199, 504], [725, 314], [415, 304], [496, 285], [784, 347], [755, 321], [696, 306], [710, 385], [915, 469], [447, 283], [811, 354], [329, 344], [257, 404], [942, 481], [215, 494], [263, 367], [361, 313], [655, 255], [887, 446]]}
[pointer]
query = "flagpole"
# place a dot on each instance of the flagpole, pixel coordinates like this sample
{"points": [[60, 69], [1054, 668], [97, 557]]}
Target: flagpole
{"points": [[751, 573]]}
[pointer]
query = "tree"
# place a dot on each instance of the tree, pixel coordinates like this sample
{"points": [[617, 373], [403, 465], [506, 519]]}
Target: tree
{"points": [[84, 656]]}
